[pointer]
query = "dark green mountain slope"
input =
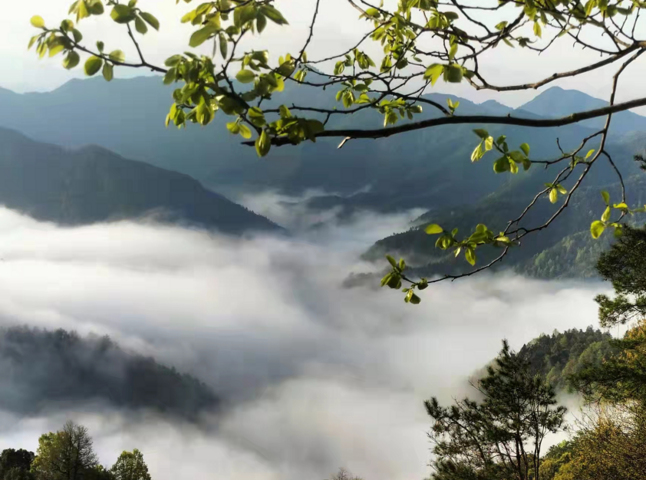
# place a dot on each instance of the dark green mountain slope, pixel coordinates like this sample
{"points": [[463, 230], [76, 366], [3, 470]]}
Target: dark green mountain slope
{"points": [[562, 354], [94, 185], [566, 249], [43, 370], [559, 356]]}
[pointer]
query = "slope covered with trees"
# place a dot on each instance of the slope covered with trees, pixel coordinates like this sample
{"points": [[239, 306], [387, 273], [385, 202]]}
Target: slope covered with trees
{"points": [[42, 370], [560, 356], [89, 185]]}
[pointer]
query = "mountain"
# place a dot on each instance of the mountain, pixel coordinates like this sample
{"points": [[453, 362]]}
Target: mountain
{"points": [[557, 102], [43, 370], [564, 250], [561, 355], [91, 184], [418, 169]]}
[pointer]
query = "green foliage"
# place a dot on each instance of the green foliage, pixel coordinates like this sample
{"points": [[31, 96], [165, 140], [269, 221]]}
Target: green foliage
{"points": [[562, 355], [499, 437], [16, 464], [622, 377], [68, 455], [130, 466], [64, 455], [624, 266], [609, 445]]}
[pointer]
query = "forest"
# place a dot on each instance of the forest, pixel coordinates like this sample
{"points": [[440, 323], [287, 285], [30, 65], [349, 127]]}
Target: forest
{"points": [[68, 454]]}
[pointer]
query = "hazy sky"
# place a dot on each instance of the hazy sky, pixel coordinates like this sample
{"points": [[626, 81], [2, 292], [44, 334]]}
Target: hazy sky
{"points": [[337, 29]]}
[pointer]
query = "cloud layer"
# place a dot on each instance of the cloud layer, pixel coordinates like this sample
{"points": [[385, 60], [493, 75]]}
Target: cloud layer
{"points": [[313, 376]]}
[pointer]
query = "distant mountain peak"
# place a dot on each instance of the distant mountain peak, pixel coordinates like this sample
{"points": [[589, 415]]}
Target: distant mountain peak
{"points": [[559, 102]]}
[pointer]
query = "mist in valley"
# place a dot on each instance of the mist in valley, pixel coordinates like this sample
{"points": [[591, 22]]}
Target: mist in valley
{"points": [[310, 375]]}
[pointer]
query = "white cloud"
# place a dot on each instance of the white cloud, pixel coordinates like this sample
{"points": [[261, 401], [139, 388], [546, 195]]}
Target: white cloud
{"points": [[314, 376]]}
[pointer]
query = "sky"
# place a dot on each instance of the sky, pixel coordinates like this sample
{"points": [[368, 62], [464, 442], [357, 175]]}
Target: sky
{"points": [[314, 376], [337, 29]]}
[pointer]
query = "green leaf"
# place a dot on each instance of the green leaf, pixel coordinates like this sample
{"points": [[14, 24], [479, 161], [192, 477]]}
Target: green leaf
{"points": [[256, 117], [414, 299], [261, 22], [273, 14], [224, 46], [470, 255], [33, 40], [453, 73], [488, 143], [122, 14], [140, 26], [242, 15], [202, 35], [606, 215], [597, 228], [150, 20], [606, 197], [538, 31], [481, 133], [71, 60], [37, 21], [93, 65], [434, 72], [96, 7], [525, 148], [391, 260], [173, 61], [170, 76], [245, 132], [108, 72], [263, 144], [501, 165], [433, 229], [478, 153], [117, 56], [245, 76], [233, 127], [453, 51], [56, 49], [554, 195], [589, 154]]}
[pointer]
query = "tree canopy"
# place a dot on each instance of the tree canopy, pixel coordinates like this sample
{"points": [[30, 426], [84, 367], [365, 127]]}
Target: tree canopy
{"points": [[422, 42], [501, 436], [65, 455], [130, 466]]}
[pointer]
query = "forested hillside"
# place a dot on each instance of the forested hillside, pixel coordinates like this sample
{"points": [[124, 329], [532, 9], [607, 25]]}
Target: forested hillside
{"points": [[560, 356], [91, 184], [41, 370]]}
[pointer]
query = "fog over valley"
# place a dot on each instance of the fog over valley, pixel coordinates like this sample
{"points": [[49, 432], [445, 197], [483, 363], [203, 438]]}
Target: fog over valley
{"points": [[310, 376]]}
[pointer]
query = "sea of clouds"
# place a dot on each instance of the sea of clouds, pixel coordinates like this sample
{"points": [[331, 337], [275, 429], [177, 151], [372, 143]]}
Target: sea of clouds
{"points": [[313, 376]]}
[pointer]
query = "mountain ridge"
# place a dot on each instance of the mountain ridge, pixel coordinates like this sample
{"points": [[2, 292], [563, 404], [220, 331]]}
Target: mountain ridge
{"points": [[92, 184]]}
